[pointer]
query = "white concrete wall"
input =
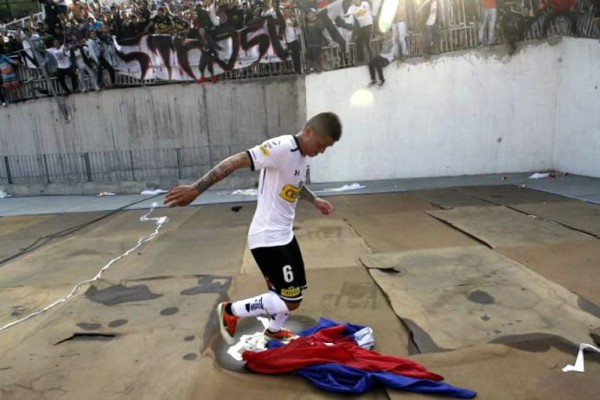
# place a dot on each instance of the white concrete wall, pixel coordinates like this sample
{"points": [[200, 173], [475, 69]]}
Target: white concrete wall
{"points": [[473, 112], [577, 141]]}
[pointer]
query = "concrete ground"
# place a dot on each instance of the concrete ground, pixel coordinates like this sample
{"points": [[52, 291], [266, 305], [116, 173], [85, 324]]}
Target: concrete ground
{"points": [[490, 281]]}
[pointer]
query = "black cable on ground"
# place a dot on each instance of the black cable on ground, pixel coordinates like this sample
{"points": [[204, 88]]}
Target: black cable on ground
{"points": [[47, 238]]}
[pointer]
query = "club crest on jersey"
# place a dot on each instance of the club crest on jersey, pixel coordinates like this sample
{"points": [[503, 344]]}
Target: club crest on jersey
{"points": [[290, 193], [264, 148]]}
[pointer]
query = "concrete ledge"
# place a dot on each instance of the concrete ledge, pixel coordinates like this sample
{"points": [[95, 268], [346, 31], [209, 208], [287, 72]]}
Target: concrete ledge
{"points": [[124, 187]]}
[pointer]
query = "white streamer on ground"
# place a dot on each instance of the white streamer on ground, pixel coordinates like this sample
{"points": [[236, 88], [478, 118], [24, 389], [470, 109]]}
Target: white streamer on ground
{"points": [[245, 192], [579, 366], [353, 186], [160, 221]]}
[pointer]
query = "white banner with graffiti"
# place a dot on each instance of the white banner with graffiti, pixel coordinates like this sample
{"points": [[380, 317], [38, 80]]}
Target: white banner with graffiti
{"points": [[169, 58]]}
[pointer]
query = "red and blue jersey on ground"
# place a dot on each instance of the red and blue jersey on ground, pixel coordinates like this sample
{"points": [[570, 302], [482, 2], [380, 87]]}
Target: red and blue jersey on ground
{"points": [[328, 356]]}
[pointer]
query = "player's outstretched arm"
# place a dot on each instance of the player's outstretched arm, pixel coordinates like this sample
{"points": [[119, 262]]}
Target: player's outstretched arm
{"points": [[185, 194], [322, 205]]}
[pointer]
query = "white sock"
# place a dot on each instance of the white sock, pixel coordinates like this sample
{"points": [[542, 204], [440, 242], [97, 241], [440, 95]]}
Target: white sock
{"points": [[277, 321], [265, 304]]}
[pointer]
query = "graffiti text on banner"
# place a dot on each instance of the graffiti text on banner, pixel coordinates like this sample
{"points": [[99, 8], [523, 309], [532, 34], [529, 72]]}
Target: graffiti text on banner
{"points": [[167, 57]]}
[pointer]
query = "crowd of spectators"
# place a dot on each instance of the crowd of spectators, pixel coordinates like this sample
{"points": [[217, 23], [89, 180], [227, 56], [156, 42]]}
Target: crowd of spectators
{"points": [[75, 41]]}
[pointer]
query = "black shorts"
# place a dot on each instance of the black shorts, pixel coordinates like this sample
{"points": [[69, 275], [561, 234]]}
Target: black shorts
{"points": [[284, 269]]}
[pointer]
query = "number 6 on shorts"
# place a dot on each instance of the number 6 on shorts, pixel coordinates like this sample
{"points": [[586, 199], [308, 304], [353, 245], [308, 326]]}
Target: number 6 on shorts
{"points": [[288, 275]]}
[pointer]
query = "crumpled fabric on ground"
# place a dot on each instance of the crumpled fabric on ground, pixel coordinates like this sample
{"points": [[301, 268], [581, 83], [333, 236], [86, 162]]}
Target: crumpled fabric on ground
{"points": [[329, 357], [342, 379]]}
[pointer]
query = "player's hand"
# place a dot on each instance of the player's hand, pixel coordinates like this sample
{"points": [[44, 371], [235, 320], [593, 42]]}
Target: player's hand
{"points": [[324, 206], [181, 196]]}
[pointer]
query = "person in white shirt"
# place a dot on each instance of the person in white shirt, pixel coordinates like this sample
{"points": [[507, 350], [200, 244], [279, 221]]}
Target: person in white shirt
{"points": [[361, 10], [63, 66], [268, 10], [97, 52], [283, 162], [81, 54], [292, 35], [427, 13], [399, 31], [211, 7]]}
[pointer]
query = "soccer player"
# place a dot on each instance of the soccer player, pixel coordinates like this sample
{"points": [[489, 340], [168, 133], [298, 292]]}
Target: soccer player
{"points": [[284, 162]]}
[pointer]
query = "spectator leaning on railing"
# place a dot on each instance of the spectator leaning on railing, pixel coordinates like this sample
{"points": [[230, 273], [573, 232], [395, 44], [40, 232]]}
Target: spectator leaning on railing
{"points": [[399, 31], [596, 4], [292, 37], [64, 66], [10, 83], [97, 52], [15, 43], [558, 8], [428, 23], [208, 48], [314, 41], [489, 14], [361, 10], [84, 62]]}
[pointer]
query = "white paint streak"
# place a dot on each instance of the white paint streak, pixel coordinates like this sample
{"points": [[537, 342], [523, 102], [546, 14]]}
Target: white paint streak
{"points": [[160, 221]]}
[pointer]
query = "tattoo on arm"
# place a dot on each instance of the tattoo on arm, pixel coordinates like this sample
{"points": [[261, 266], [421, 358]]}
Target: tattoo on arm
{"points": [[222, 170], [307, 194]]}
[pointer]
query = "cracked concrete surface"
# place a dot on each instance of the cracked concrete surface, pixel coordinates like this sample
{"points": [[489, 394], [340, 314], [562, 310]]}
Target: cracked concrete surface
{"points": [[148, 329]]}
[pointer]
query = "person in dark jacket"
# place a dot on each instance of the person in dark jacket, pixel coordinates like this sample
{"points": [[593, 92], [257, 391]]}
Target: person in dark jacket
{"points": [[314, 40], [208, 47]]}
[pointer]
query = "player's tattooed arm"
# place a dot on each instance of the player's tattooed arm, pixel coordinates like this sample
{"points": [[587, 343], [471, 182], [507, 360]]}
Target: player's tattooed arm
{"points": [[307, 194], [321, 204], [222, 170]]}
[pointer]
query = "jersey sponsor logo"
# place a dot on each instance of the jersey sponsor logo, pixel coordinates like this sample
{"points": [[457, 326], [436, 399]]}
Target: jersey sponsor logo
{"points": [[291, 291], [264, 148], [290, 193]]}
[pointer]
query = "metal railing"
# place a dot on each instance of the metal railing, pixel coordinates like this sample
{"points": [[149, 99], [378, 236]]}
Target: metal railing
{"points": [[113, 166], [23, 22]]}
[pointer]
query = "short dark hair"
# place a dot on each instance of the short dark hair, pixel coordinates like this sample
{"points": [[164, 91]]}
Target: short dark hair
{"points": [[327, 124]]}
